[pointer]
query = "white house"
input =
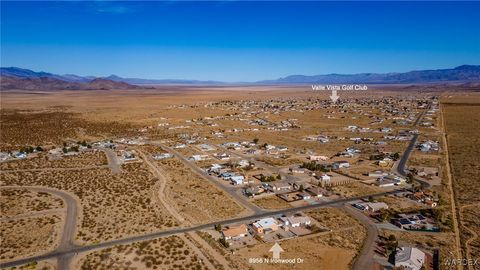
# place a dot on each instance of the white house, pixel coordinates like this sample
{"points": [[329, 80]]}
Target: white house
{"points": [[179, 146], [293, 221], [409, 258], [342, 164], [375, 206], [317, 158], [162, 156], [237, 179]]}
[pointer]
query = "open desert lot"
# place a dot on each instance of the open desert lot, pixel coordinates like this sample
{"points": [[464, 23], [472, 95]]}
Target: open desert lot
{"points": [[27, 236], [462, 120], [105, 200], [166, 253], [15, 202]]}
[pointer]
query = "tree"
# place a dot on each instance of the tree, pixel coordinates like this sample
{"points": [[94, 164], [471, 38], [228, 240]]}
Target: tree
{"points": [[39, 149], [218, 227], [279, 177], [409, 178], [301, 188], [392, 238], [255, 140], [224, 242]]}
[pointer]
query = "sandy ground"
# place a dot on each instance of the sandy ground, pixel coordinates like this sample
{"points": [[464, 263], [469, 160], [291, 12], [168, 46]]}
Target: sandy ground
{"points": [[16, 202], [107, 200], [29, 236], [166, 253]]}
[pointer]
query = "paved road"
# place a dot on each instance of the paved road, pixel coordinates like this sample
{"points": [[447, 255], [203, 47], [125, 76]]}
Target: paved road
{"points": [[399, 168], [69, 227], [229, 190], [75, 249], [365, 258]]}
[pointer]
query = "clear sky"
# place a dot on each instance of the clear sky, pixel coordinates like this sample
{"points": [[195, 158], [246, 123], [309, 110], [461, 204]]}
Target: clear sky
{"points": [[237, 41]]}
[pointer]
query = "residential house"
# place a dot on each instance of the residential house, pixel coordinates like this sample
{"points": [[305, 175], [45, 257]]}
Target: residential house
{"points": [[265, 225], [316, 192], [128, 156], [341, 164], [410, 258], [222, 156], [296, 170], [161, 156], [295, 221], [324, 179], [235, 232], [280, 186], [237, 180], [318, 158], [375, 206]]}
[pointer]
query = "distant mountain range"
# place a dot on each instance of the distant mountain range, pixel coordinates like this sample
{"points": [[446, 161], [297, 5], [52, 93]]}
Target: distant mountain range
{"points": [[18, 78], [465, 73], [25, 79], [21, 73], [47, 83]]}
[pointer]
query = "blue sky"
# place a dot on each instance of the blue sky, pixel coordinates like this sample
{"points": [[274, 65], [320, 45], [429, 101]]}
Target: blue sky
{"points": [[237, 41]]}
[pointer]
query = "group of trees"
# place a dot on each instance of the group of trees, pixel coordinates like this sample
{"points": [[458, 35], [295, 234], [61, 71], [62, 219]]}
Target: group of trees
{"points": [[380, 156], [313, 166], [390, 245], [270, 178], [31, 149], [70, 149]]}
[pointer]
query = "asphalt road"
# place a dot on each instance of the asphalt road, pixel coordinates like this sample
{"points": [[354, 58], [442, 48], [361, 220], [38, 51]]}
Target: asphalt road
{"points": [[67, 253], [365, 258], [400, 168], [69, 227]]}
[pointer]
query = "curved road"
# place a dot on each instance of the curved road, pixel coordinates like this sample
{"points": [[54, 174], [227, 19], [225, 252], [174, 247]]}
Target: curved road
{"points": [[365, 258], [69, 227], [67, 253]]}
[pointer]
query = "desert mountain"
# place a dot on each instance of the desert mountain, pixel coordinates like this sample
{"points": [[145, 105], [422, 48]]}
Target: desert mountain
{"points": [[50, 83], [45, 80], [465, 73]]}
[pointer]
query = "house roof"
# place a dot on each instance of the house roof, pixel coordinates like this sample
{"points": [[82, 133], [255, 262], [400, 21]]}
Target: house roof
{"points": [[315, 190], [299, 220], [235, 230], [266, 223], [377, 205], [410, 256]]}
